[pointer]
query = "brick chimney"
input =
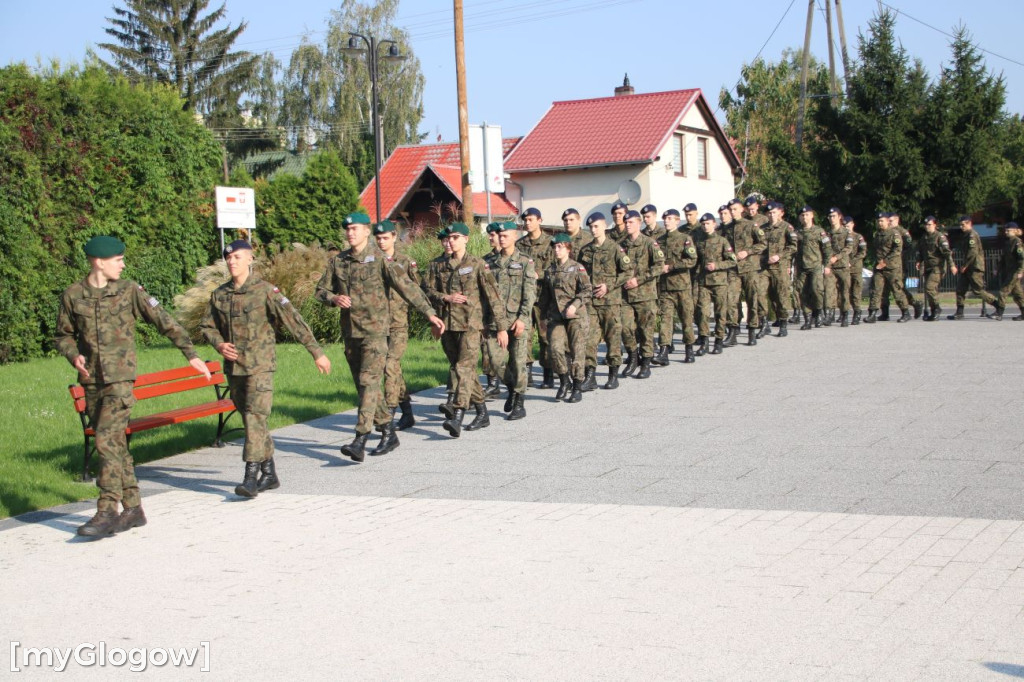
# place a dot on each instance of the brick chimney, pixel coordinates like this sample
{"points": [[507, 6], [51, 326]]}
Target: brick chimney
{"points": [[625, 88]]}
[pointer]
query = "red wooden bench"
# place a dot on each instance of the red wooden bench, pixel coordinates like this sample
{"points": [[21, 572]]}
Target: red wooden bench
{"points": [[157, 384]]}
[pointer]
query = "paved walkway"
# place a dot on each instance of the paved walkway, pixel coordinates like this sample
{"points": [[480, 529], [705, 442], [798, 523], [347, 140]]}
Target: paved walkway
{"points": [[841, 504]]}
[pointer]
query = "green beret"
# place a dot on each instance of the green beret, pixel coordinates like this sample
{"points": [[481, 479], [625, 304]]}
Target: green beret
{"points": [[355, 219], [493, 227], [442, 233], [459, 228], [102, 246], [561, 238], [384, 226]]}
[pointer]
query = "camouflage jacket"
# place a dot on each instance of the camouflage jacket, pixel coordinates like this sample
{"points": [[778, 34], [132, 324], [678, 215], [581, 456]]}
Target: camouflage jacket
{"points": [[656, 235], [843, 244], [1012, 263], [247, 317], [860, 250], [516, 279], [581, 239], [608, 264], [368, 279], [399, 308], [933, 251], [470, 277], [680, 257], [760, 219], [647, 260], [99, 324], [889, 248], [973, 254], [565, 284], [747, 236], [539, 250], [813, 250], [714, 248], [782, 241]]}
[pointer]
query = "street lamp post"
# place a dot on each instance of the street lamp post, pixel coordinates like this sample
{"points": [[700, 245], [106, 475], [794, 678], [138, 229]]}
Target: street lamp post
{"points": [[370, 46]]}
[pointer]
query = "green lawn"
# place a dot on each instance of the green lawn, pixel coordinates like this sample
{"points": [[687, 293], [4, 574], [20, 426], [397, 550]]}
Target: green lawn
{"points": [[41, 435]]}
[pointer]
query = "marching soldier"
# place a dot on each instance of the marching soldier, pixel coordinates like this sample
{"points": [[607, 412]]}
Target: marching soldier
{"points": [[888, 270], [676, 288], [641, 292], [972, 270], [692, 225], [1011, 269], [573, 227], [359, 281], [609, 268], [536, 244], [734, 211], [96, 333], [565, 290], [493, 358], [814, 248], [715, 259], [618, 231], [651, 229], [516, 279], [748, 245], [857, 256], [843, 244], [781, 241], [933, 256], [752, 207], [240, 323]]}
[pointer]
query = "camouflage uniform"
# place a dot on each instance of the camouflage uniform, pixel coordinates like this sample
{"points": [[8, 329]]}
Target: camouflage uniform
{"points": [[781, 240], [247, 317], [856, 273], [1010, 268], [814, 248], [494, 358], [747, 236], [972, 272], [735, 285], [714, 248], [368, 278], [642, 308], [579, 240], [516, 279], [843, 243], [566, 284], [540, 251], [933, 255], [99, 324], [464, 321], [761, 220], [681, 257], [607, 264], [888, 248], [395, 390]]}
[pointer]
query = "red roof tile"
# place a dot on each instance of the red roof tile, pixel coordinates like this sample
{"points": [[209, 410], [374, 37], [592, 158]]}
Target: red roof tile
{"points": [[404, 167], [602, 131]]}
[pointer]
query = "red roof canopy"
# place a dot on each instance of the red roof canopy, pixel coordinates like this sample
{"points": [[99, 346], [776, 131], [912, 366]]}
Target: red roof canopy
{"points": [[605, 131]]}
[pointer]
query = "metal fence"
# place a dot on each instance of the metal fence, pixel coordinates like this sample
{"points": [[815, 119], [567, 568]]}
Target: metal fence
{"points": [[948, 283]]}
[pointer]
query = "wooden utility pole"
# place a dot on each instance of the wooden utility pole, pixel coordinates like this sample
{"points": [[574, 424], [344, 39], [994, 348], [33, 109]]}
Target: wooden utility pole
{"points": [[803, 77], [460, 78], [842, 47], [833, 84]]}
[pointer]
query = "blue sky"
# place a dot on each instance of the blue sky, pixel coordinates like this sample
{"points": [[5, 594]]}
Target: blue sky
{"points": [[523, 55]]}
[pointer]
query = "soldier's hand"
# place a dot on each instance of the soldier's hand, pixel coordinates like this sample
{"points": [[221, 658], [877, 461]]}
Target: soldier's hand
{"points": [[200, 367], [742, 255], [600, 291], [79, 364], [503, 339], [228, 350], [570, 312], [436, 326], [323, 364], [456, 298], [665, 268], [342, 301], [517, 328], [828, 270], [773, 259], [710, 267], [880, 265], [631, 283], [833, 259], [953, 269]]}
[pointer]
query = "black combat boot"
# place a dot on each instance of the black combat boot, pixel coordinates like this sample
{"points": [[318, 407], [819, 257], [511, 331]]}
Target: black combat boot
{"points": [[645, 369], [730, 336], [131, 517], [795, 317], [493, 388], [660, 358], [563, 386], [549, 379], [510, 401], [448, 407], [936, 311], [268, 476], [356, 450], [905, 317], [518, 411], [689, 354], [102, 524], [783, 327], [1019, 318], [765, 330], [671, 348], [843, 322], [884, 315], [856, 318], [958, 315], [997, 315], [407, 420], [918, 309], [627, 361], [719, 345], [481, 420], [388, 440], [872, 316], [248, 486], [613, 377], [825, 318], [751, 336], [589, 379], [702, 346], [807, 323], [577, 391], [632, 362], [454, 425]]}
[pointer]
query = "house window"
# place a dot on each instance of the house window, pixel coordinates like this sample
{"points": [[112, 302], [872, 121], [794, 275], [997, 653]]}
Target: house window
{"points": [[678, 160], [702, 158]]}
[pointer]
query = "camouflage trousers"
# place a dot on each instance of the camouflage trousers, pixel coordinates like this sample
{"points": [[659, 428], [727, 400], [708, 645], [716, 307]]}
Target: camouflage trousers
{"points": [[750, 283], [856, 290], [735, 291], [517, 356], [674, 303], [494, 358], [778, 291], [540, 323], [713, 296], [974, 282], [462, 349], [253, 396], [839, 284], [1011, 289], [605, 323], [568, 338], [884, 281], [642, 316], [109, 407], [395, 390], [366, 359], [764, 308], [810, 289], [627, 325], [932, 278]]}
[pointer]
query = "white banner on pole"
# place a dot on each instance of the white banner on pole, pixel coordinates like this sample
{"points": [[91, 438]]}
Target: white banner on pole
{"points": [[486, 158], [236, 208]]}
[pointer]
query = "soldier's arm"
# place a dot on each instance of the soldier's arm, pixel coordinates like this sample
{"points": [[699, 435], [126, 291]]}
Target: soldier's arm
{"points": [[584, 289], [65, 338], [687, 257], [325, 287], [655, 260], [401, 283], [149, 309], [760, 242], [789, 250], [529, 293], [489, 293], [208, 327], [624, 269], [728, 261], [283, 312], [826, 248]]}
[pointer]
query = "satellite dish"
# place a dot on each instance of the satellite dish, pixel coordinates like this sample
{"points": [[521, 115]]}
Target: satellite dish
{"points": [[629, 192]]}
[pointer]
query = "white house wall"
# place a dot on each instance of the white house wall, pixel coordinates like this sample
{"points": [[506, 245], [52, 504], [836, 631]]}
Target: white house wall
{"points": [[586, 190]]}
